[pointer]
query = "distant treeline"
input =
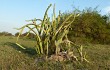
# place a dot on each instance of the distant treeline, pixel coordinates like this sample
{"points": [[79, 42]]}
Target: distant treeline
{"points": [[5, 34], [30, 35], [89, 26], [26, 34]]}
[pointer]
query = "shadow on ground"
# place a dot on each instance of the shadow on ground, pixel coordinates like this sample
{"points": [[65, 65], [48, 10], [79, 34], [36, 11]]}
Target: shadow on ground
{"points": [[29, 51]]}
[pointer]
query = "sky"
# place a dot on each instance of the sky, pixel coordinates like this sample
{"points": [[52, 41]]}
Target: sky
{"points": [[13, 13]]}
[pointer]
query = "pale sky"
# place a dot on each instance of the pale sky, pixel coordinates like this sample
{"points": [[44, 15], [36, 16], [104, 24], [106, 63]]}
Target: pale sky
{"points": [[13, 13]]}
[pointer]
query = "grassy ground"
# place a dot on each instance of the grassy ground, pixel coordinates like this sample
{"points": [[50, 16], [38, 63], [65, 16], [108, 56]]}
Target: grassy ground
{"points": [[14, 58], [99, 55]]}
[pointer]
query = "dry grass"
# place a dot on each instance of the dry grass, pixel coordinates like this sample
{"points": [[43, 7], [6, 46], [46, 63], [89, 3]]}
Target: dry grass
{"points": [[14, 58]]}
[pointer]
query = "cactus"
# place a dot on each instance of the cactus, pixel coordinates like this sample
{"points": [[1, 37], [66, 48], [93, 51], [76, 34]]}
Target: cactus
{"points": [[50, 35]]}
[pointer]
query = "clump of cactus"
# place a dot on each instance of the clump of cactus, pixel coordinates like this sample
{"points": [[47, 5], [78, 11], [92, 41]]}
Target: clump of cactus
{"points": [[50, 34]]}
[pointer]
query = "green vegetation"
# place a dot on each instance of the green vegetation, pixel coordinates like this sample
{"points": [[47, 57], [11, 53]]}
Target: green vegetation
{"points": [[51, 44], [90, 26]]}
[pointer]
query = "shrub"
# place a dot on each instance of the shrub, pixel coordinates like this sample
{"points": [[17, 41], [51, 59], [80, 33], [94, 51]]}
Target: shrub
{"points": [[90, 25]]}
